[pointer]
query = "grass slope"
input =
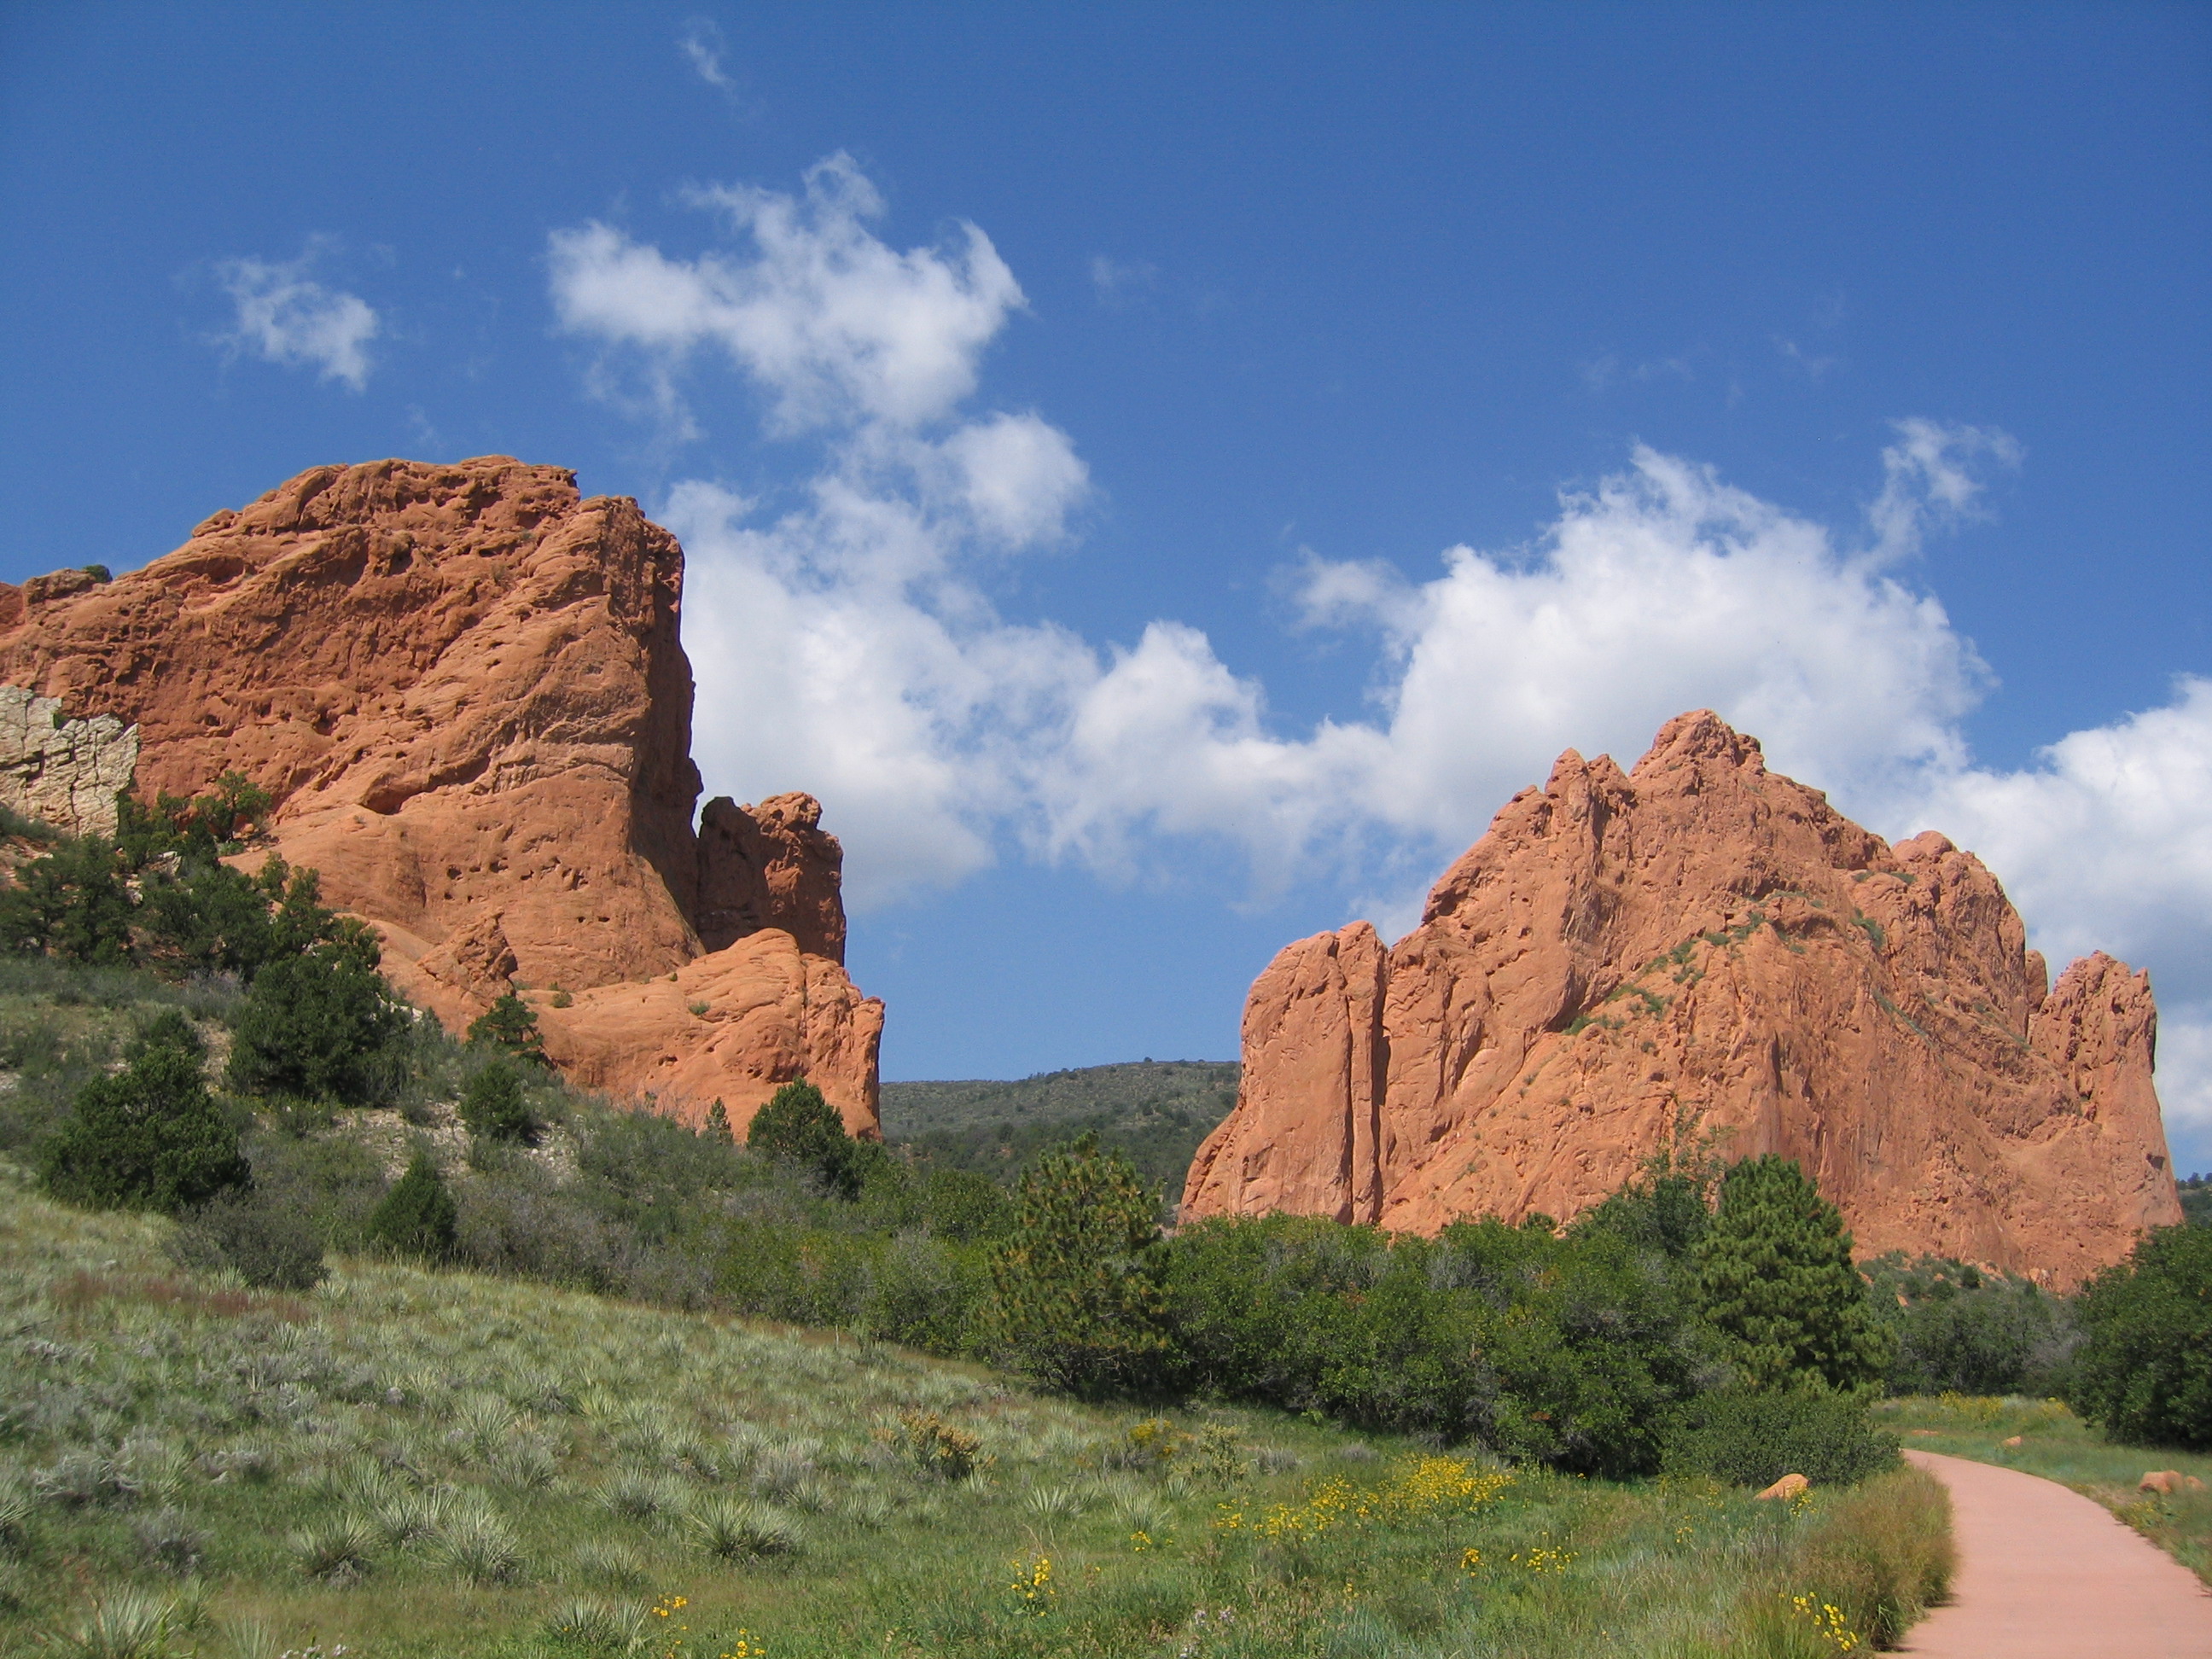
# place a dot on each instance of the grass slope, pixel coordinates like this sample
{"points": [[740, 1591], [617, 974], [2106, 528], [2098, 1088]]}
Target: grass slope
{"points": [[1155, 1111], [2058, 1446], [416, 1463]]}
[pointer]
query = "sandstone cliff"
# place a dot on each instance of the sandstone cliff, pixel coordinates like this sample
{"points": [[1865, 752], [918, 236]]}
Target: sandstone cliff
{"points": [[465, 688], [1704, 939]]}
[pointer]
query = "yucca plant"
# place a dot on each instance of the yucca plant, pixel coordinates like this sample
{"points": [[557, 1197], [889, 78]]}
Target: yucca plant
{"points": [[779, 1471], [527, 1465], [366, 1484], [476, 1543], [17, 1505], [609, 1561], [251, 1638], [338, 1550], [1053, 1502], [740, 1529], [481, 1423], [126, 1623], [598, 1626], [635, 1495], [407, 1516]]}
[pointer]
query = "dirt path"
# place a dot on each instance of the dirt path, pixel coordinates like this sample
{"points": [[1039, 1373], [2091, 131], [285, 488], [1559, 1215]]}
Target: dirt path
{"points": [[2045, 1573]]}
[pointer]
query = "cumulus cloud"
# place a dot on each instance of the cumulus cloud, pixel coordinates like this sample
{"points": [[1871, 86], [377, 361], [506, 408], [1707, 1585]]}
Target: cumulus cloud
{"points": [[284, 316], [846, 640], [838, 327]]}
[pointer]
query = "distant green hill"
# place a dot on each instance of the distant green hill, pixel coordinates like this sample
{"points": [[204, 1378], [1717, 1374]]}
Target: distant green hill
{"points": [[1154, 1111]]}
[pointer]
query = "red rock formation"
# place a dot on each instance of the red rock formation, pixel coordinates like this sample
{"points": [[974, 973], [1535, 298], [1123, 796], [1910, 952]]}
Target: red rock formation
{"points": [[465, 687], [1703, 939], [771, 865]]}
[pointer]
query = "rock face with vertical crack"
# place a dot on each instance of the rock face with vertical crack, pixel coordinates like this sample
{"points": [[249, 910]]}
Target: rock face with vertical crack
{"points": [[64, 773], [1702, 941], [463, 686]]}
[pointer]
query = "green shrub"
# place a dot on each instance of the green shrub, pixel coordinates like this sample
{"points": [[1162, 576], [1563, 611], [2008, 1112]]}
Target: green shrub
{"points": [[1750, 1438], [150, 1136], [493, 1107], [798, 1126], [1958, 1330], [1564, 1350], [1077, 1296], [1777, 1282], [318, 1024], [2144, 1371], [417, 1217], [510, 1023], [270, 1246], [72, 903]]}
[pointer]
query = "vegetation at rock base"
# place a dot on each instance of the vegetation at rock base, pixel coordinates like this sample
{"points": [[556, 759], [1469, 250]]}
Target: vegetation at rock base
{"points": [[149, 1137], [413, 1463], [2144, 1367], [493, 1108], [1957, 1328], [418, 1217], [1076, 1294], [798, 1127], [509, 1024], [1777, 1281]]}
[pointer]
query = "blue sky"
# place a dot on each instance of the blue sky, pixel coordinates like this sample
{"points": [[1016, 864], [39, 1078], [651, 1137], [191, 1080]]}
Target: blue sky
{"points": [[1069, 412]]}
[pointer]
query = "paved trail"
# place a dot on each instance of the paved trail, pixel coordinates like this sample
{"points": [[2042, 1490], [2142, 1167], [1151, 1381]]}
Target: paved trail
{"points": [[2045, 1573]]}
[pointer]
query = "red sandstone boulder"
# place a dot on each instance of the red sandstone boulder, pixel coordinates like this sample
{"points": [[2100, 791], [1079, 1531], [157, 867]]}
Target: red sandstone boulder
{"points": [[463, 686], [1703, 940]]}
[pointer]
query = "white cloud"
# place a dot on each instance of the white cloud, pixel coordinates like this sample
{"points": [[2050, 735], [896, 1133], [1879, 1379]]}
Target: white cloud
{"points": [[284, 316], [838, 326], [847, 642], [700, 43], [1932, 478]]}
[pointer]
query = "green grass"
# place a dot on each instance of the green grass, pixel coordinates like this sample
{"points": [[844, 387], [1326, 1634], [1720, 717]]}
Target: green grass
{"points": [[419, 1463], [1156, 1112], [2059, 1446]]}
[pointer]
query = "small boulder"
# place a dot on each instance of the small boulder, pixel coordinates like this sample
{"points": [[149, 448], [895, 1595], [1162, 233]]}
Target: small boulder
{"points": [[1788, 1487], [2013, 1441], [2162, 1480]]}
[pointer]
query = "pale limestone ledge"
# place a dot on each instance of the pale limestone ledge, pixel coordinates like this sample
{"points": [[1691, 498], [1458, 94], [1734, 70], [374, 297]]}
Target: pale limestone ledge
{"points": [[63, 772]]}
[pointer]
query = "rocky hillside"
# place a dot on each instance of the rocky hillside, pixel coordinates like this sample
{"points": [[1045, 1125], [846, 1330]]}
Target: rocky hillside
{"points": [[1702, 941], [465, 688]]}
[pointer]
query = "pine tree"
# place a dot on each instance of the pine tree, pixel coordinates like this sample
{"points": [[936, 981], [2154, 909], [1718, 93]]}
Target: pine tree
{"points": [[512, 1025], [797, 1126], [1078, 1299], [417, 1217], [493, 1107], [315, 1026], [718, 1125], [150, 1136], [1777, 1281]]}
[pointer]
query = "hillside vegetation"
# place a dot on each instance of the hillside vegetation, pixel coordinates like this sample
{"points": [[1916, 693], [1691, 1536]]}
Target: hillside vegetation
{"points": [[1153, 1112], [350, 1330], [410, 1462]]}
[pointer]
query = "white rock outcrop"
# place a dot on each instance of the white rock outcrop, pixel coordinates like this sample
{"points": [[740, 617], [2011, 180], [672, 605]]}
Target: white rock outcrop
{"points": [[63, 772]]}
